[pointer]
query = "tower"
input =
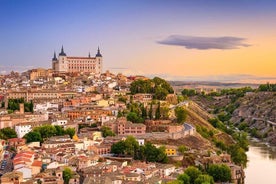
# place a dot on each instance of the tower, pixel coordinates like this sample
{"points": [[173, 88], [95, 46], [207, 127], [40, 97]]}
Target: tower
{"points": [[62, 61], [99, 59], [21, 108], [54, 62]]}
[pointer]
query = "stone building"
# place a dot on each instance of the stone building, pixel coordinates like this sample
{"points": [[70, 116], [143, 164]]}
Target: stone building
{"points": [[75, 64]]}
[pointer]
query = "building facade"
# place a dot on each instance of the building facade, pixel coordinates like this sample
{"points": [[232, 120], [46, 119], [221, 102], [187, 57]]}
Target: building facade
{"points": [[29, 95], [74, 64]]}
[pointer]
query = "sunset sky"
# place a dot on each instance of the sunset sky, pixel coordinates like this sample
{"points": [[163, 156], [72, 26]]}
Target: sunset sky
{"points": [[175, 39]]}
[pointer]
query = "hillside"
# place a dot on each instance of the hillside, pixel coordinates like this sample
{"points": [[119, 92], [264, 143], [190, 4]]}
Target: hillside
{"points": [[256, 109], [248, 113], [198, 118]]}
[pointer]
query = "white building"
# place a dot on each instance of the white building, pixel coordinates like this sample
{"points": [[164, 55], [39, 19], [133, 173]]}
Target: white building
{"points": [[60, 122], [26, 170], [22, 129], [141, 141], [105, 118], [45, 106], [88, 64]]}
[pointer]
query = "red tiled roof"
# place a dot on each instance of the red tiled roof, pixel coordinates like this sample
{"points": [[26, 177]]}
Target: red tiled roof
{"points": [[20, 161], [37, 163], [16, 140], [23, 156]]}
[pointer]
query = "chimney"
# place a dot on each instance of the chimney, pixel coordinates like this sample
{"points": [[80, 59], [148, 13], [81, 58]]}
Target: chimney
{"points": [[21, 108]]}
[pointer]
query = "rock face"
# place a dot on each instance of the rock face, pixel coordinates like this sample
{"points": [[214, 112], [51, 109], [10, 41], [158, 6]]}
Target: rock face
{"points": [[260, 105], [258, 109], [254, 108]]}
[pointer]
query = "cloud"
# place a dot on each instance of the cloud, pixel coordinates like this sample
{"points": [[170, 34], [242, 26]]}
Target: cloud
{"points": [[204, 43]]}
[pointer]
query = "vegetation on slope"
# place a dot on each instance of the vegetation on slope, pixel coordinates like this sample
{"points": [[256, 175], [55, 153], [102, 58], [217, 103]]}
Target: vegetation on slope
{"points": [[156, 86]]}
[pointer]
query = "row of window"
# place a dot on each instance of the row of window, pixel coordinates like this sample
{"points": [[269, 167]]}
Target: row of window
{"points": [[27, 131], [133, 132], [79, 61], [80, 68], [45, 94]]}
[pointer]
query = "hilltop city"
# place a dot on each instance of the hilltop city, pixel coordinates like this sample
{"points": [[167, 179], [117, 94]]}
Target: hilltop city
{"points": [[76, 124]]}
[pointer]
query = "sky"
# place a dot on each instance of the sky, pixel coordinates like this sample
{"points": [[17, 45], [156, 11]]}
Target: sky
{"points": [[176, 39]]}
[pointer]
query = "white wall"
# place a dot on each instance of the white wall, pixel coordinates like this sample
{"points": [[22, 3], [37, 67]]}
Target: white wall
{"points": [[21, 130]]}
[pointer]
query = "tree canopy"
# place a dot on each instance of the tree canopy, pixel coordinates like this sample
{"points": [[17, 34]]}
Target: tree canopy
{"points": [[184, 178], [147, 152], [193, 173], [134, 117], [13, 104], [188, 92], [67, 175], [181, 114], [220, 172], [33, 137], [204, 179], [42, 132], [157, 86], [267, 87], [7, 133], [106, 131]]}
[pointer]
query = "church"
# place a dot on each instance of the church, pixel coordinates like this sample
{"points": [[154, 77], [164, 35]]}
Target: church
{"points": [[73, 64]]}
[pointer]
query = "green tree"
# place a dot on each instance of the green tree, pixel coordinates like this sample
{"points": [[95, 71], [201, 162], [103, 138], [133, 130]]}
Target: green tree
{"points": [[164, 111], [182, 149], [131, 146], [181, 114], [106, 131], [162, 156], [154, 154], [204, 178], [122, 99], [70, 131], [157, 86], [220, 172], [67, 175], [120, 114], [188, 92], [31, 107], [193, 173], [150, 112], [238, 155], [118, 148], [180, 98], [184, 178], [46, 131], [7, 133], [160, 93], [33, 137], [144, 112], [146, 153], [59, 130], [241, 138], [157, 112], [141, 154], [134, 117]]}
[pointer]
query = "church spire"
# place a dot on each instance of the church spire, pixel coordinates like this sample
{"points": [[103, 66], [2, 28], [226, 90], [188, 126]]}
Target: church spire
{"points": [[62, 53], [55, 57], [89, 55], [98, 53]]}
